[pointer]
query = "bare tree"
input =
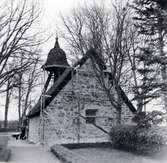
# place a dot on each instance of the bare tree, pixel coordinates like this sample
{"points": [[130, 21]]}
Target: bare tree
{"points": [[110, 35], [25, 83], [31, 83], [16, 38], [19, 49], [7, 102]]}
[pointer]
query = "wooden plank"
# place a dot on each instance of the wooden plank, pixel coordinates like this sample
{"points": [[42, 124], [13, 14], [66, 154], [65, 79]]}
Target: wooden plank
{"points": [[102, 129], [47, 82], [126, 100]]}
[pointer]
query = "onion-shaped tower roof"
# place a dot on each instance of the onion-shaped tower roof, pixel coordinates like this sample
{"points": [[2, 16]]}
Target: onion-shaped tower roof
{"points": [[56, 58]]}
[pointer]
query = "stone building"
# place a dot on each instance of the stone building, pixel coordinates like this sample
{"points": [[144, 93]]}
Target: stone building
{"points": [[75, 109]]}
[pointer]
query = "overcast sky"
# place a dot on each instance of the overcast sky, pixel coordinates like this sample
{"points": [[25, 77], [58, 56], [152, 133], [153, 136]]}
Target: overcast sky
{"points": [[51, 10], [50, 14]]}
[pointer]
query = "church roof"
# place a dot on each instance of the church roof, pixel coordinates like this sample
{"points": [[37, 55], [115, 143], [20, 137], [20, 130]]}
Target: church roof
{"points": [[57, 87], [56, 58], [65, 78]]}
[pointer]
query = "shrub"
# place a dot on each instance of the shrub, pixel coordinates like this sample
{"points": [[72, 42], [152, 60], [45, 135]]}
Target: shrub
{"points": [[143, 119], [142, 140]]}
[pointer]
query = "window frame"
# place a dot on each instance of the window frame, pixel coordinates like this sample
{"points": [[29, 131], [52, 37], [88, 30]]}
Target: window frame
{"points": [[90, 115]]}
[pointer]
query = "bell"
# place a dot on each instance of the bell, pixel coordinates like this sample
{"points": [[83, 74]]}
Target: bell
{"points": [[56, 59]]}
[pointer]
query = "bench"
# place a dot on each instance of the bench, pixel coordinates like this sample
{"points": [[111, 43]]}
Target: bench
{"points": [[16, 135]]}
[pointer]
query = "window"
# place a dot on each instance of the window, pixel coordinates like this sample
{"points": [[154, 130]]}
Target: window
{"points": [[90, 115]]}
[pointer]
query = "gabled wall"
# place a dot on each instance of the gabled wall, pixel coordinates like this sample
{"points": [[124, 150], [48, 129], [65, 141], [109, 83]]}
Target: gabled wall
{"points": [[62, 122]]}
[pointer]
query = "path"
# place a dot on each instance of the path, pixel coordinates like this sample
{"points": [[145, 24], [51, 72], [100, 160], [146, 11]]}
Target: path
{"points": [[23, 151]]}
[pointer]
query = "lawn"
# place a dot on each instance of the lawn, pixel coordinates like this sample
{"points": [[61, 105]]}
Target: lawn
{"points": [[109, 155]]}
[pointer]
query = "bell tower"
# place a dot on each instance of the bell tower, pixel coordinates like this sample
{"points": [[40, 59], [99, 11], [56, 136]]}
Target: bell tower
{"points": [[55, 64]]}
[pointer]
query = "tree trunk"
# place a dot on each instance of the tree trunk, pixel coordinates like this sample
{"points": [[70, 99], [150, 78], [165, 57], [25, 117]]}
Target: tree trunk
{"points": [[7, 106], [118, 116], [163, 68], [26, 103], [119, 107], [19, 109], [139, 105], [19, 105]]}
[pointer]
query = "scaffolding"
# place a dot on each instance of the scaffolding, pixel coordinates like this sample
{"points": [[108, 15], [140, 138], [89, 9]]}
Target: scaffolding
{"points": [[42, 106]]}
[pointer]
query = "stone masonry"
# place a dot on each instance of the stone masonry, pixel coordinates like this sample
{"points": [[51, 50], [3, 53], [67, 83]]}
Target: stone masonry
{"points": [[62, 123]]}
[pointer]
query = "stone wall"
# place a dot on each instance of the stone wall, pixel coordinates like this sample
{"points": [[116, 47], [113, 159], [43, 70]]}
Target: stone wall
{"points": [[62, 122]]}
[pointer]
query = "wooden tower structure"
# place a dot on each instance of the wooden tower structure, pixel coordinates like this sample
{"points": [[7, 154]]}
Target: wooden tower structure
{"points": [[56, 64]]}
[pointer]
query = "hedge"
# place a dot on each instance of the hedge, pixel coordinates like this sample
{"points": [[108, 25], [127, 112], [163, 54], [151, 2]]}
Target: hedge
{"points": [[139, 140]]}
